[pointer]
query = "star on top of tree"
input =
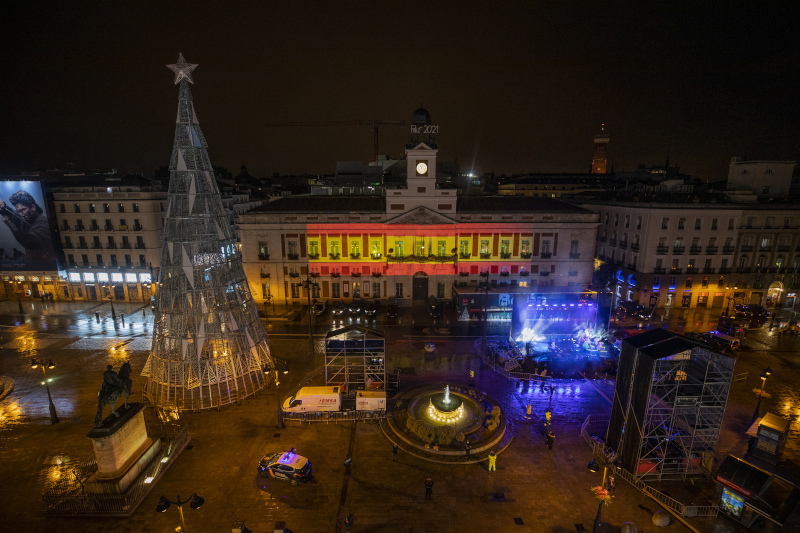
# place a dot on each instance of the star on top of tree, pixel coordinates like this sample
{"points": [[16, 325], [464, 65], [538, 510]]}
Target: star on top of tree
{"points": [[182, 70]]}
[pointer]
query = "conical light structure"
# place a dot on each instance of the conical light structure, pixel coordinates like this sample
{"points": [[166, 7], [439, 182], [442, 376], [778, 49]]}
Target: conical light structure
{"points": [[209, 345]]}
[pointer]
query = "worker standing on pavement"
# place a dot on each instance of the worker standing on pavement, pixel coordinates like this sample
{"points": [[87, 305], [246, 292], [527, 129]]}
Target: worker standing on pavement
{"points": [[347, 463], [492, 461], [550, 439], [528, 412], [547, 415]]}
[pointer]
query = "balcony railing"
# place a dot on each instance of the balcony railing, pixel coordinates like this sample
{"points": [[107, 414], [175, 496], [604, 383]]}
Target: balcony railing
{"points": [[708, 270], [139, 246], [631, 266], [83, 245], [421, 259], [748, 248], [602, 239], [464, 256], [265, 275], [293, 257], [67, 245], [65, 227], [504, 274], [524, 273], [355, 256], [137, 227], [612, 242], [574, 256], [111, 246], [505, 255], [294, 274], [314, 274], [783, 248], [765, 249], [123, 227], [692, 270], [675, 270], [334, 256], [635, 246], [355, 274], [525, 255], [546, 255], [108, 227], [678, 250], [623, 244], [725, 270], [97, 246], [661, 250], [94, 227], [376, 274], [544, 273], [659, 270], [695, 250], [125, 245], [376, 255], [313, 256], [572, 273], [335, 274], [263, 257], [711, 250], [728, 250], [463, 274], [486, 256], [80, 228]]}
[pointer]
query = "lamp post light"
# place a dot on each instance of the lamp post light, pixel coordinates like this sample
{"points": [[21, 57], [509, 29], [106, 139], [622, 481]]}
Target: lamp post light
{"points": [[764, 375], [612, 459], [284, 368], [486, 288], [308, 284], [49, 364], [194, 501]]}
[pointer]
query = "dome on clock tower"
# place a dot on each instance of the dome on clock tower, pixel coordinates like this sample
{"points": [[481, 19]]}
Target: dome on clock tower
{"points": [[421, 117]]}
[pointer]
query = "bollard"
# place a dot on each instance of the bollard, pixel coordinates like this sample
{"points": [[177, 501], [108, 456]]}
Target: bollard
{"points": [[97, 317], [123, 320], [143, 315]]}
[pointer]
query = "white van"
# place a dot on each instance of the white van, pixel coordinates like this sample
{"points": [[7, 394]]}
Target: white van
{"points": [[314, 399], [370, 401], [726, 341]]}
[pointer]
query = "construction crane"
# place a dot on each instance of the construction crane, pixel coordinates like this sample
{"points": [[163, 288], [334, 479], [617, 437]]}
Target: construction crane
{"points": [[375, 124]]}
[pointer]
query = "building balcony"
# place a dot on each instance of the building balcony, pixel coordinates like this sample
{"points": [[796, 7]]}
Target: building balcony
{"points": [[65, 227], [602, 239], [728, 250], [422, 259], [463, 274], [743, 270], [524, 273], [123, 227], [94, 227], [623, 245], [662, 250], [313, 257], [111, 246], [708, 270], [504, 274], [67, 246], [108, 227], [486, 256], [678, 250], [765, 249], [114, 264], [675, 270], [695, 250], [612, 242], [747, 248], [355, 274], [139, 246], [784, 248], [334, 256], [126, 245], [376, 274], [634, 246], [546, 255], [659, 270], [129, 265], [505, 255], [544, 273], [293, 257], [355, 256], [83, 246], [711, 250], [692, 270], [80, 228], [97, 246], [631, 266], [376, 255], [314, 274], [263, 257], [265, 275], [464, 256], [525, 255], [137, 227], [335, 274], [725, 270], [294, 274], [574, 256]]}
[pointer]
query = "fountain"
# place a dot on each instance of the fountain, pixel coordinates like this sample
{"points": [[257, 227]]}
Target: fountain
{"points": [[445, 408]]}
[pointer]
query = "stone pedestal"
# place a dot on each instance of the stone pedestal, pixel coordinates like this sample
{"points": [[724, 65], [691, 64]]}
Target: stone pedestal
{"points": [[122, 450]]}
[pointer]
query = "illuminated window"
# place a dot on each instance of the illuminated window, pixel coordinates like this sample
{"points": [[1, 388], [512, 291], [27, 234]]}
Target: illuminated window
{"points": [[145, 278], [130, 278], [484, 247], [376, 249], [313, 248], [441, 248], [102, 277], [463, 248], [88, 277], [74, 276], [398, 248], [116, 277]]}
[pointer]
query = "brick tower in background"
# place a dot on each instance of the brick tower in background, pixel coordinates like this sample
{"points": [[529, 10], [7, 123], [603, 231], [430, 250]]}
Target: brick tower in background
{"points": [[600, 159]]}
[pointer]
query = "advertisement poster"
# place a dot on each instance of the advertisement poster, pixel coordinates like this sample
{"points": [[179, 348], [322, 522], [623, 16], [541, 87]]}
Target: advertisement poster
{"points": [[25, 239], [731, 503]]}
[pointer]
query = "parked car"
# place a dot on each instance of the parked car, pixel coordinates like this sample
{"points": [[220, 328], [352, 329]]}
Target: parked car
{"points": [[370, 308], [355, 306], [391, 308], [434, 307], [287, 466], [320, 308], [337, 308], [725, 342]]}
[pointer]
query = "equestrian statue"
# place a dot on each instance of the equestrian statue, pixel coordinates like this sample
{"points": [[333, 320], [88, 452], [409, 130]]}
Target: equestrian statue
{"points": [[114, 385]]}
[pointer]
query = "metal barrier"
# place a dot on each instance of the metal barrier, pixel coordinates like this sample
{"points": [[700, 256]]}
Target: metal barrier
{"points": [[68, 497], [601, 452], [335, 416], [501, 368], [739, 377]]}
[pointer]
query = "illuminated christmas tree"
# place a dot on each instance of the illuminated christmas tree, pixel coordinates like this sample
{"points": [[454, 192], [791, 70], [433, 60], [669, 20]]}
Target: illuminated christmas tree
{"points": [[209, 345]]}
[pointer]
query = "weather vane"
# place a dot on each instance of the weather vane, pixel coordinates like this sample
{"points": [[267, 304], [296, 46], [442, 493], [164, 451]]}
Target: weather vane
{"points": [[182, 70]]}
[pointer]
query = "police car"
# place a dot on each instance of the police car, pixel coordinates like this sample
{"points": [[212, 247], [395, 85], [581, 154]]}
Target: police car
{"points": [[287, 466]]}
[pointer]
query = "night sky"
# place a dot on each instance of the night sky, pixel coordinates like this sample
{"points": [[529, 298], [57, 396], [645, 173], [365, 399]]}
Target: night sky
{"points": [[514, 86]]}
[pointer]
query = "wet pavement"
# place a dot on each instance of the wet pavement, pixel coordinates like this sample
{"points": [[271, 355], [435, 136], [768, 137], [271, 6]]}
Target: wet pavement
{"points": [[534, 489]]}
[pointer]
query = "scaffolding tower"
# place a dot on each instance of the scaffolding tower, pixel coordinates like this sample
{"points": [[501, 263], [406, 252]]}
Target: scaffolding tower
{"points": [[209, 345], [355, 358], [669, 403]]}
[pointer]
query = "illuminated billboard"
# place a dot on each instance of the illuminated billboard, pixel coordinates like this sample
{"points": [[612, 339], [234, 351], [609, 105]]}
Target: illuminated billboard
{"points": [[25, 239]]}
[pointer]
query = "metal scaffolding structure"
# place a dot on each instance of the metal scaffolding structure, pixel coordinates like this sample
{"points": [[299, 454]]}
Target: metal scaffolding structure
{"points": [[668, 405], [209, 345], [355, 358]]}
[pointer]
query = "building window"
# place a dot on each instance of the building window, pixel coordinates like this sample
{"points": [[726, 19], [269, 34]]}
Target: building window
{"points": [[376, 290], [573, 247], [398, 290], [627, 221], [335, 290], [121, 208], [545, 247], [765, 190], [525, 247], [355, 249], [681, 223], [420, 248], [335, 249], [295, 290], [440, 290], [315, 290], [441, 248], [484, 248], [313, 249], [616, 219], [743, 261], [463, 248], [606, 222], [264, 290], [770, 222], [263, 250], [698, 224], [750, 222], [376, 249], [292, 248], [665, 223], [730, 223], [504, 248], [398, 249], [135, 208], [787, 222]]}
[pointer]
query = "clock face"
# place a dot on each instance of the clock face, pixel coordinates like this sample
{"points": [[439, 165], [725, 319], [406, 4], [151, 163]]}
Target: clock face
{"points": [[422, 168]]}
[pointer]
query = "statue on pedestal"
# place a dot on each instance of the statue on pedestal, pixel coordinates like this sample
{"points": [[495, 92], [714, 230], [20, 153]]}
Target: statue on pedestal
{"points": [[114, 385]]}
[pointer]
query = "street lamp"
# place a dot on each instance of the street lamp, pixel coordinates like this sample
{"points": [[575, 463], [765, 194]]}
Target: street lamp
{"points": [[308, 284], [486, 288], [196, 503], [611, 459], [764, 375], [284, 367], [48, 365]]}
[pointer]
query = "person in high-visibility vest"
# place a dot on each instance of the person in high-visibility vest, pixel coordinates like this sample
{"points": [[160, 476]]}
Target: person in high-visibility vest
{"points": [[471, 374], [528, 412], [492, 462], [548, 415]]}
